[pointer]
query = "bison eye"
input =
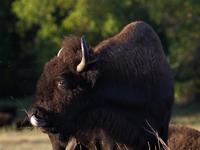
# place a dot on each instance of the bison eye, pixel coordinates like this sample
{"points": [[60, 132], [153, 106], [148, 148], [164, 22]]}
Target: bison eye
{"points": [[62, 85]]}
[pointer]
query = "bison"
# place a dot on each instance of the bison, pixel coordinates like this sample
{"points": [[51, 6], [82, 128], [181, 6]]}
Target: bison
{"points": [[183, 138], [101, 97]]}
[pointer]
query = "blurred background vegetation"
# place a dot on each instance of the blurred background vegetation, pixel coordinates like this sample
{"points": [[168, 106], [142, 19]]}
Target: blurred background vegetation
{"points": [[31, 32]]}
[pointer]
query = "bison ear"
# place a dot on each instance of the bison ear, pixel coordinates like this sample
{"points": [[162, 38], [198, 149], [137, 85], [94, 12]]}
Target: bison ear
{"points": [[93, 70]]}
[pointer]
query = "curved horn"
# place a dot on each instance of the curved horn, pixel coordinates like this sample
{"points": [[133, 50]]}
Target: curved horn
{"points": [[85, 56], [59, 52]]}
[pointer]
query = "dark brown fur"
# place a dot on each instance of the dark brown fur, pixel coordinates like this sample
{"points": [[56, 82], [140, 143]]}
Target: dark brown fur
{"points": [[105, 106], [183, 138]]}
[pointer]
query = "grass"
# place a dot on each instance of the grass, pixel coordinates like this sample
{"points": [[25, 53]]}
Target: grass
{"points": [[187, 115], [24, 140], [28, 138], [34, 139]]}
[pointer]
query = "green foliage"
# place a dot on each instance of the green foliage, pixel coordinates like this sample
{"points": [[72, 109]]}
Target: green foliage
{"points": [[52, 20], [180, 19], [39, 26], [93, 18], [15, 63]]}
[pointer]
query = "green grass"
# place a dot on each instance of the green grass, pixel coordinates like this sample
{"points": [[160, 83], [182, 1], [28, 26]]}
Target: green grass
{"points": [[187, 114], [26, 139], [34, 139]]}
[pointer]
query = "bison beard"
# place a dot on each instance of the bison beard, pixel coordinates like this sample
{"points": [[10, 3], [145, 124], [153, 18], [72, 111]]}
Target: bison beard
{"points": [[99, 98]]}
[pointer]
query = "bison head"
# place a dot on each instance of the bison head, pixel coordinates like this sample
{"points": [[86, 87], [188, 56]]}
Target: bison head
{"points": [[65, 80]]}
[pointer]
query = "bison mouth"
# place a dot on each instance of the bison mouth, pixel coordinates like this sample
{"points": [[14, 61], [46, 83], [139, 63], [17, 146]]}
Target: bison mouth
{"points": [[36, 121]]}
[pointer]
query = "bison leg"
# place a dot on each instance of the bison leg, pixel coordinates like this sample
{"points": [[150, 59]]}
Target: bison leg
{"points": [[80, 147], [164, 133], [71, 145], [56, 144]]}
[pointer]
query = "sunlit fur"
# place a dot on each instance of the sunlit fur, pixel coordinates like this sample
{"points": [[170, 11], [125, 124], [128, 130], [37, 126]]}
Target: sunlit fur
{"points": [[127, 81], [183, 138]]}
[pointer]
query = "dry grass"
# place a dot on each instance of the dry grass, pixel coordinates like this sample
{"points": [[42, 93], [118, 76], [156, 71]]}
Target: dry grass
{"points": [[24, 140]]}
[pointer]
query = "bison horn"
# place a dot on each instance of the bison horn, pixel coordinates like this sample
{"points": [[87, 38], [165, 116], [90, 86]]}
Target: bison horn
{"points": [[59, 52], [85, 55]]}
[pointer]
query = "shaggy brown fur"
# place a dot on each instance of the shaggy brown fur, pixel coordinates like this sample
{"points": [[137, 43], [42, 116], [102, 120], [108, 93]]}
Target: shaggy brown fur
{"points": [[105, 106], [183, 138]]}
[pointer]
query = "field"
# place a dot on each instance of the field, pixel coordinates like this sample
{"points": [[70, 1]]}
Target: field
{"points": [[187, 114], [24, 140], [34, 139]]}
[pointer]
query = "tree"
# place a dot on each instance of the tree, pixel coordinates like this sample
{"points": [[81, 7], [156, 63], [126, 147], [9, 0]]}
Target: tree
{"points": [[97, 20], [15, 63], [181, 21]]}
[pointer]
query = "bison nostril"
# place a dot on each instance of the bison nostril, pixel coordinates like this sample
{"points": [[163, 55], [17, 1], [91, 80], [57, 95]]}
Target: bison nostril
{"points": [[36, 121], [35, 114], [38, 116]]}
